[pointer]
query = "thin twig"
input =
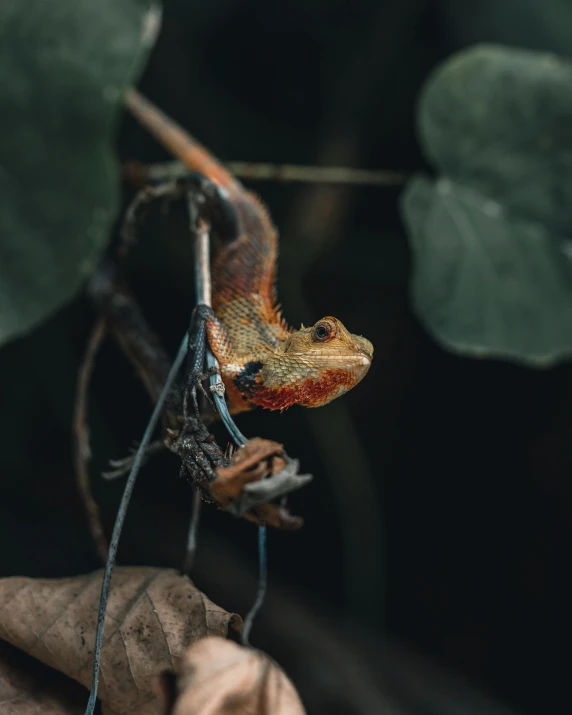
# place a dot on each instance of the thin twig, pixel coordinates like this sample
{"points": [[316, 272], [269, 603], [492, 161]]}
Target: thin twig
{"points": [[203, 295], [143, 198], [202, 263], [261, 590], [122, 466], [257, 171], [80, 436], [193, 532], [120, 518], [317, 174]]}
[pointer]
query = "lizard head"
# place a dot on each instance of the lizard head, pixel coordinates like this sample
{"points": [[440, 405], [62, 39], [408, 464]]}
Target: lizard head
{"points": [[325, 361], [312, 367]]}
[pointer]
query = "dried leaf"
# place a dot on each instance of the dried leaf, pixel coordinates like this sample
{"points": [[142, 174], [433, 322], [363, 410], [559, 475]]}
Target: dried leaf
{"points": [[153, 615], [28, 687], [260, 471], [258, 459], [219, 677]]}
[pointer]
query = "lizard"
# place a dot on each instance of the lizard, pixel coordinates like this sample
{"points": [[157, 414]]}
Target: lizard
{"points": [[263, 362]]}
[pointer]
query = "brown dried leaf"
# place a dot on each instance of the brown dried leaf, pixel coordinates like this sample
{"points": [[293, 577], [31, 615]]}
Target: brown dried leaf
{"points": [[153, 615], [219, 677], [260, 471], [28, 687], [258, 459]]}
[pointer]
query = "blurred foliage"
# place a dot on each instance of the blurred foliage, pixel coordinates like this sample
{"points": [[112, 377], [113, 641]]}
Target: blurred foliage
{"points": [[58, 169], [530, 24], [492, 269], [471, 459]]}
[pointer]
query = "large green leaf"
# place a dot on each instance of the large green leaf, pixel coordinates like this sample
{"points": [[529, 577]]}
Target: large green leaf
{"points": [[64, 68], [486, 282], [492, 269]]}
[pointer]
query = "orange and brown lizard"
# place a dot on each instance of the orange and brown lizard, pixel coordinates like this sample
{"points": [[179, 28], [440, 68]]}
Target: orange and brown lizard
{"points": [[262, 361]]}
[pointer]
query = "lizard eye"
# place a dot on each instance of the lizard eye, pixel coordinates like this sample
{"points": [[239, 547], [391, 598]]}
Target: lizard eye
{"points": [[322, 332]]}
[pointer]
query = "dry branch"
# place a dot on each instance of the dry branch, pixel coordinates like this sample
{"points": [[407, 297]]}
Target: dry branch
{"points": [[138, 174], [80, 434]]}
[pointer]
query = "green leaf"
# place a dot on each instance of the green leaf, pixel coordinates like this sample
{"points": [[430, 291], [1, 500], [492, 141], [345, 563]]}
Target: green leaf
{"points": [[486, 282], [492, 262], [65, 66]]}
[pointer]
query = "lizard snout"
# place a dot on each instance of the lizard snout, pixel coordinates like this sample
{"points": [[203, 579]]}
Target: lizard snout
{"points": [[364, 346]]}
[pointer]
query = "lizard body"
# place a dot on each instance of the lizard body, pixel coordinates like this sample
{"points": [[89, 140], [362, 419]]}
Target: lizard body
{"points": [[263, 362]]}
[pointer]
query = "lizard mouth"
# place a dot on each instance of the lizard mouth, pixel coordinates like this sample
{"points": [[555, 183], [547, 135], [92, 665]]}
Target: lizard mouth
{"points": [[358, 352], [364, 347], [360, 358]]}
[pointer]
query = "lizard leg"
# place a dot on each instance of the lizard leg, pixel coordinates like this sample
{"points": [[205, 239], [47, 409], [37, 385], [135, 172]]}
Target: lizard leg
{"points": [[204, 326], [223, 349], [195, 357], [205, 329]]}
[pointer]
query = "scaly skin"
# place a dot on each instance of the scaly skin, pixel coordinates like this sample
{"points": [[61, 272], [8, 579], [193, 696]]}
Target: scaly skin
{"points": [[263, 362]]}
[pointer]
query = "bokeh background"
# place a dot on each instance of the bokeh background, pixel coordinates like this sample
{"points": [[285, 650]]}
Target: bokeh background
{"points": [[431, 575]]}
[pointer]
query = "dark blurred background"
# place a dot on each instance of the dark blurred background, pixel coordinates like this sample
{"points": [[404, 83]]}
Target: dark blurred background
{"points": [[438, 523]]}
